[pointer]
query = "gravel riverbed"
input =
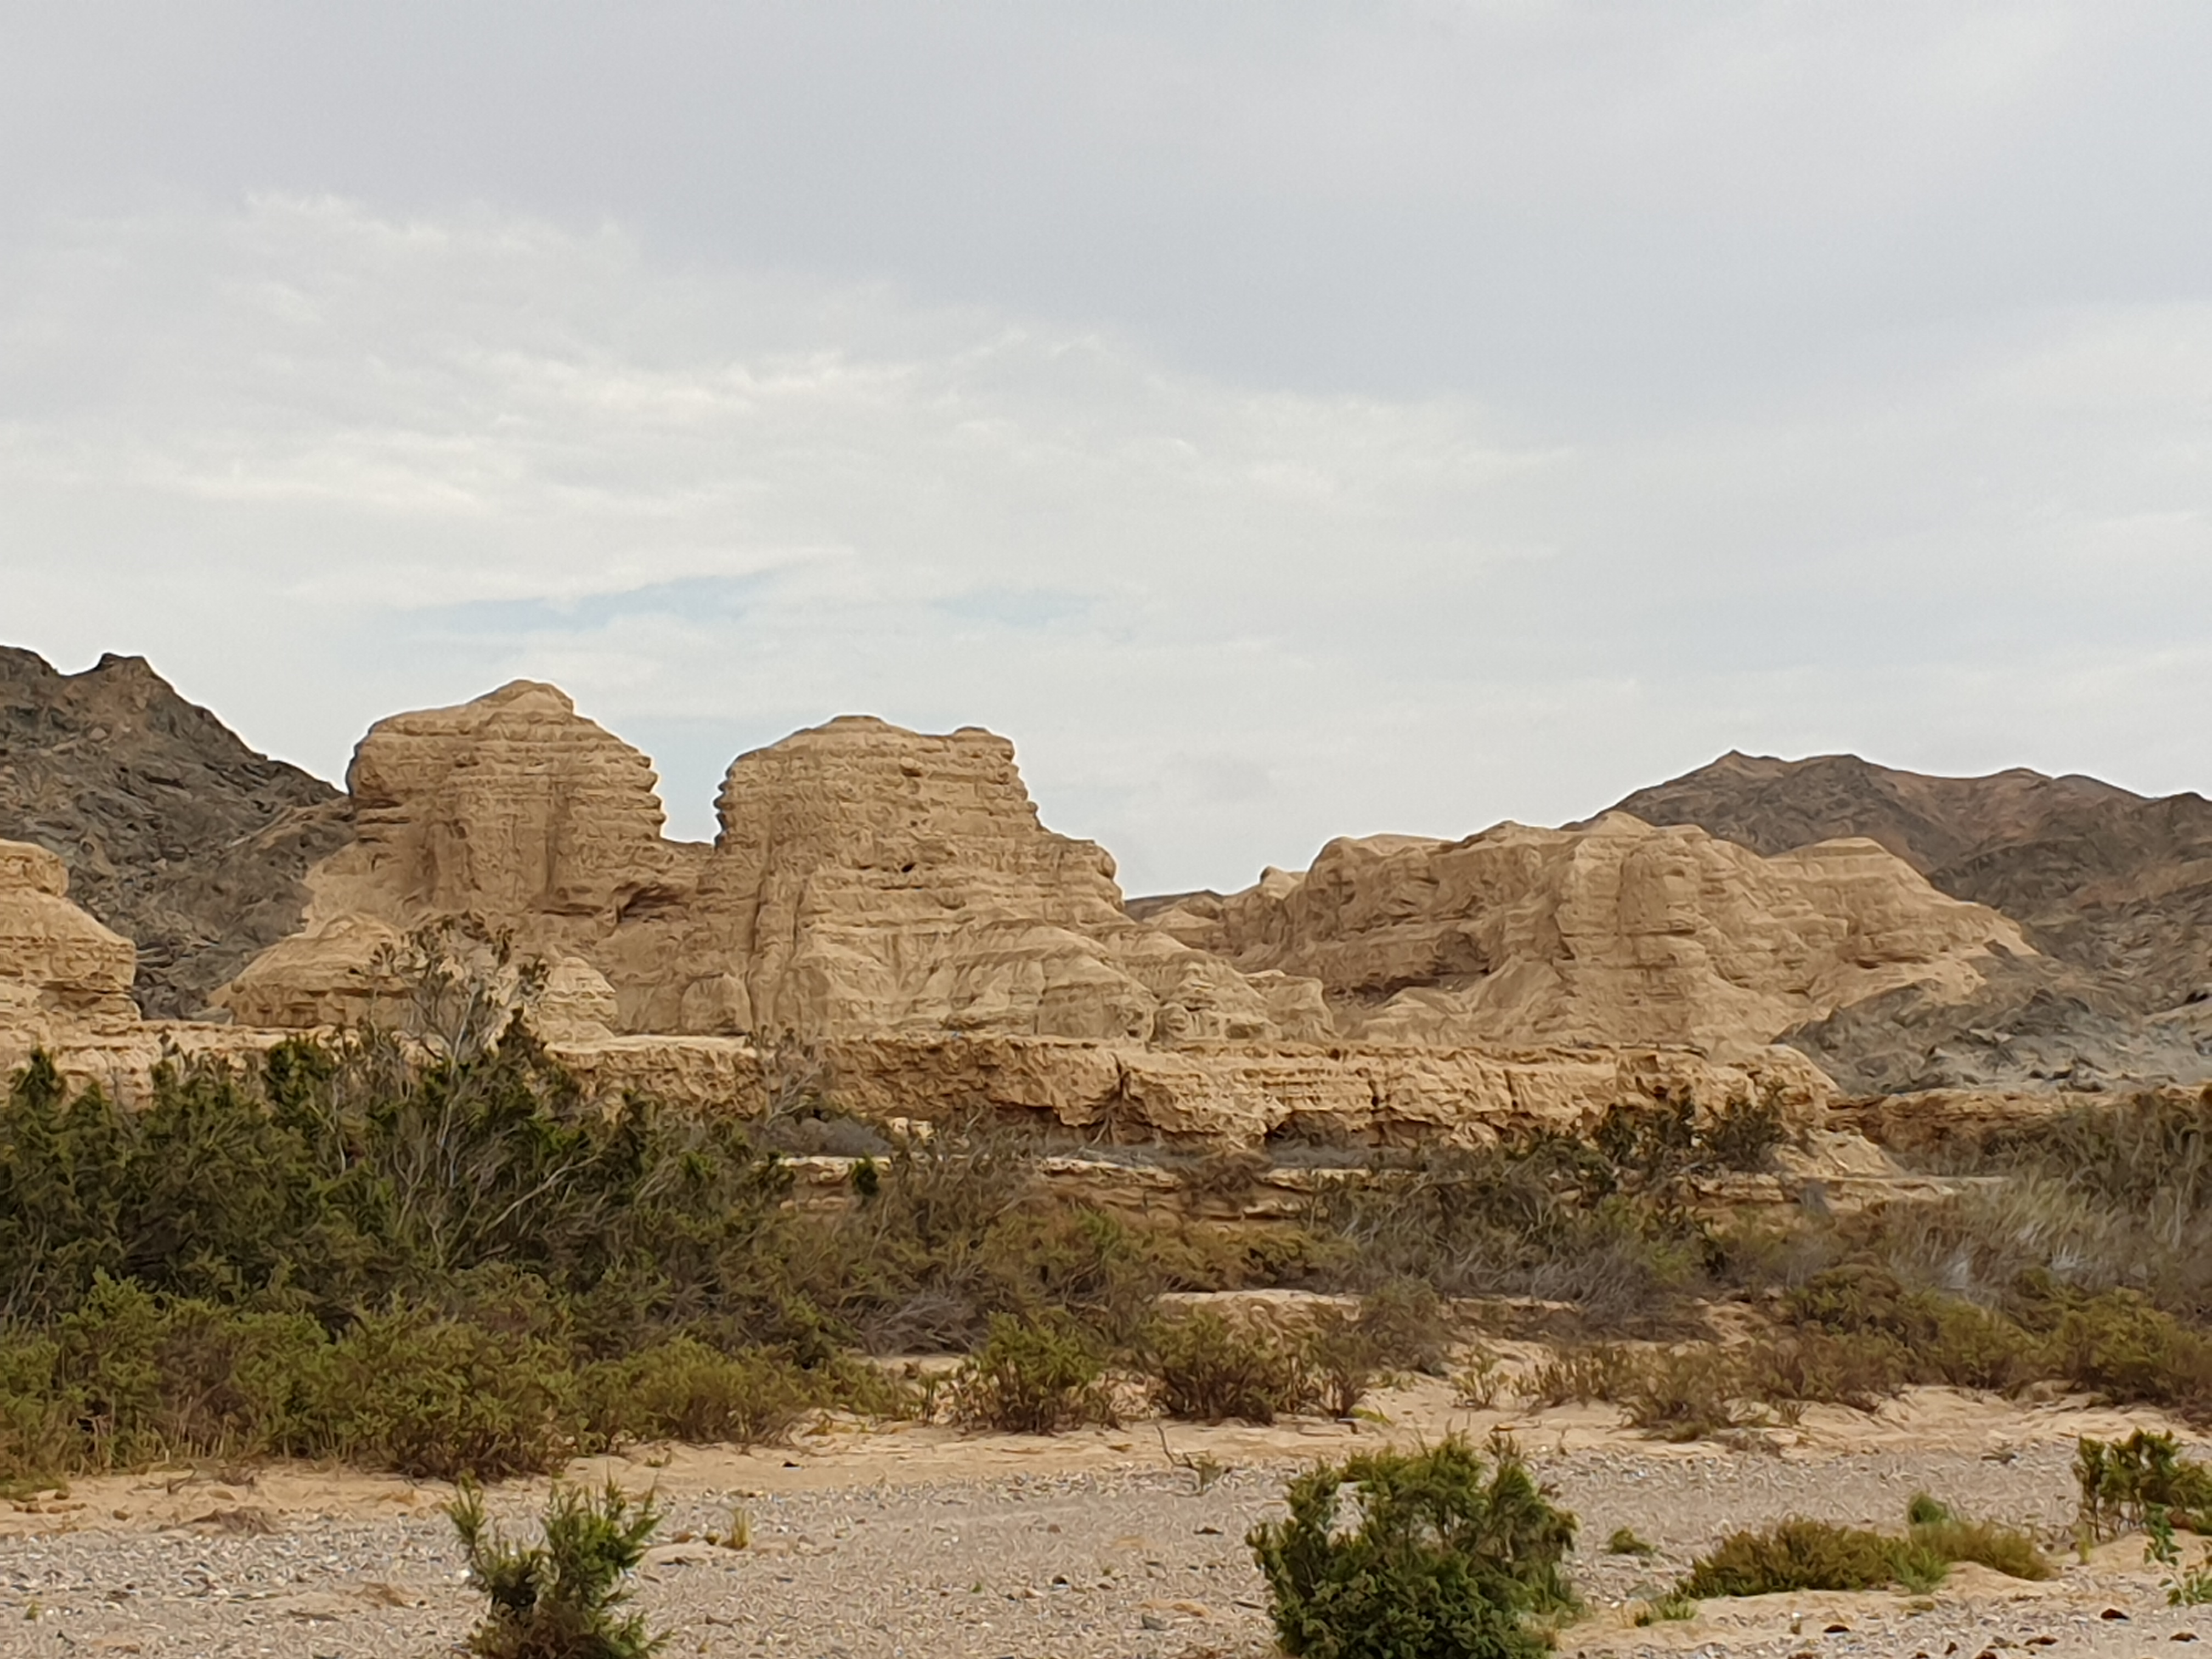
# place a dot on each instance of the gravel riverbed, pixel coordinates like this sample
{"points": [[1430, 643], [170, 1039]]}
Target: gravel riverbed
{"points": [[1127, 1557]]}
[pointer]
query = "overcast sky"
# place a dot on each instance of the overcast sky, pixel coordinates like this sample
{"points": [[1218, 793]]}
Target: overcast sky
{"points": [[1282, 420]]}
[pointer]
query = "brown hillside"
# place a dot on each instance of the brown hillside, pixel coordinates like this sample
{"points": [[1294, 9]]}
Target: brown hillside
{"points": [[175, 833], [2114, 888]]}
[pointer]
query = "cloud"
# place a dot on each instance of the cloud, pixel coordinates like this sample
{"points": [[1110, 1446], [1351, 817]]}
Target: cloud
{"points": [[1713, 383]]}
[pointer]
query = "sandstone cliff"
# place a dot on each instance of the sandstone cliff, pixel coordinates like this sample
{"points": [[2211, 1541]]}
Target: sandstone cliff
{"points": [[61, 973], [1619, 934], [2114, 889], [175, 834], [866, 879]]}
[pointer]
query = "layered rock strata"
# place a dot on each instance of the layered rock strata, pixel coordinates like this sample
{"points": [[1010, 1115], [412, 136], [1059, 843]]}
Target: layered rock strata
{"points": [[866, 879], [2113, 889], [1619, 934]]}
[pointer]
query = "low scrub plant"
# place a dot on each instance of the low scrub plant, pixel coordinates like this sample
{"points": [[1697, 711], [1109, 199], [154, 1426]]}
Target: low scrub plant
{"points": [[685, 1389], [2123, 1484], [1686, 1393], [563, 1597], [1798, 1554], [1416, 1555], [1579, 1374], [1205, 1368], [1033, 1377]]}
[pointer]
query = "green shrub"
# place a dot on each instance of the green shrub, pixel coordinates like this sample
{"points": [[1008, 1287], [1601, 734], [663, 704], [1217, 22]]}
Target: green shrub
{"points": [[2003, 1549], [2123, 1482], [1685, 1394], [1447, 1557], [1206, 1370], [682, 1389], [561, 1598], [439, 1400], [1033, 1377], [1675, 1604], [1811, 1555], [1814, 1555]]}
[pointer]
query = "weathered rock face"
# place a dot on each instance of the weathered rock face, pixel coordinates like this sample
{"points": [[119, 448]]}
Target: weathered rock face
{"points": [[512, 811], [1622, 933], [61, 972], [175, 833], [2115, 890], [866, 879]]}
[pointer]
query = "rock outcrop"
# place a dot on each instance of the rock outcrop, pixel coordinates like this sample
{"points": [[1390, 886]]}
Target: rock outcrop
{"points": [[1621, 933], [61, 973], [513, 812], [175, 834], [2114, 889], [866, 879]]}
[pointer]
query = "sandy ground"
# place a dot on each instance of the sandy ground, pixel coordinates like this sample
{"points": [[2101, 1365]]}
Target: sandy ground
{"points": [[912, 1540]]}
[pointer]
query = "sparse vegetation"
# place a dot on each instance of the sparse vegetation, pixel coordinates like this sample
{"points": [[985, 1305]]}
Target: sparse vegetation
{"points": [[2141, 1481], [561, 1598], [1443, 1554], [1799, 1554], [1033, 1377], [1205, 1368]]}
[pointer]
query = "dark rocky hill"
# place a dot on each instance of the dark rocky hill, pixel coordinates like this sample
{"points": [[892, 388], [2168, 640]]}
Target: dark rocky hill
{"points": [[2114, 888], [176, 834]]}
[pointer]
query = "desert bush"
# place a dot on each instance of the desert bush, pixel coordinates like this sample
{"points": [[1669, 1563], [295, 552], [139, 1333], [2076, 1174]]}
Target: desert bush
{"points": [[439, 1400], [1408, 1325], [1443, 1556], [1399, 1326], [1033, 1377], [1207, 1370], [1600, 1371], [1343, 1359], [1814, 1367], [561, 1598], [1810, 1555], [1674, 1604], [2003, 1549], [1477, 1384], [2123, 1482], [2118, 1345], [1549, 1217], [1686, 1394], [685, 1389]]}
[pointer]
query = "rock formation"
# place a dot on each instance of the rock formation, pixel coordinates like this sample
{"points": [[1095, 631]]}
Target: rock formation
{"points": [[175, 834], [61, 973], [889, 903], [866, 879], [2114, 890], [1620, 933]]}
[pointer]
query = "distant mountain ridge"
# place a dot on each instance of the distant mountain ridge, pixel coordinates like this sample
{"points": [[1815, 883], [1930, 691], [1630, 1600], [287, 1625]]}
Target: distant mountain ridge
{"points": [[2115, 888], [176, 834], [2114, 883]]}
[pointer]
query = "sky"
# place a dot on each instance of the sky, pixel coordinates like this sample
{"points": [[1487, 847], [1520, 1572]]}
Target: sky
{"points": [[1282, 420]]}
